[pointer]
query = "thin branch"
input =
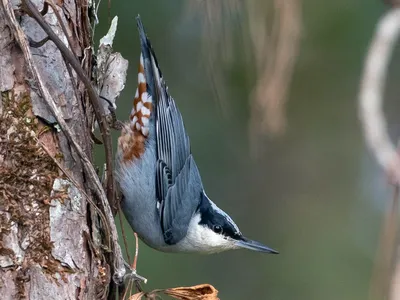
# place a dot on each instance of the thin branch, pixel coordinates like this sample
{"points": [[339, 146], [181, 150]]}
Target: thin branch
{"points": [[60, 21], [134, 265], [371, 93], [384, 260], [376, 135]]}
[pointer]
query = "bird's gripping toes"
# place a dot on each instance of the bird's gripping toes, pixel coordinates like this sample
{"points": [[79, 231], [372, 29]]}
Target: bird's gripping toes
{"points": [[163, 196]]}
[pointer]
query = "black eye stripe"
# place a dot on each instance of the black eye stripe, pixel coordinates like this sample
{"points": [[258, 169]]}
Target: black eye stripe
{"points": [[214, 220]]}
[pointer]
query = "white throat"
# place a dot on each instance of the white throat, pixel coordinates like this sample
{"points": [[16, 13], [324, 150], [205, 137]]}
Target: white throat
{"points": [[202, 239]]}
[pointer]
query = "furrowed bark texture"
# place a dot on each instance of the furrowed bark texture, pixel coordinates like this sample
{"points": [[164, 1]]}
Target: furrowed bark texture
{"points": [[45, 223]]}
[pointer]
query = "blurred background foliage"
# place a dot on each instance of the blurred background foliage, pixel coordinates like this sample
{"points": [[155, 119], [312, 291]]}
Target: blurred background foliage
{"points": [[312, 192]]}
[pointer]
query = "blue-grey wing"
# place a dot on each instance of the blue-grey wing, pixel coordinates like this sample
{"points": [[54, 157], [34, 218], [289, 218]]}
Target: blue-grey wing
{"points": [[173, 146], [178, 183], [181, 202]]}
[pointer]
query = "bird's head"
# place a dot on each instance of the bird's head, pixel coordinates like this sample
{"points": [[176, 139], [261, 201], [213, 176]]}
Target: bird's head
{"points": [[211, 230]]}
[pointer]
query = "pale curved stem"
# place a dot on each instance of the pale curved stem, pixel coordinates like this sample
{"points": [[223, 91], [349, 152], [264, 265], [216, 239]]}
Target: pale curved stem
{"points": [[376, 135], [371, 93]]}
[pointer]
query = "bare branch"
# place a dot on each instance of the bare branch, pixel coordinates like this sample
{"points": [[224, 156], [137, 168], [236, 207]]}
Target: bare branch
{"points": [[377, 137], [371, 93]]}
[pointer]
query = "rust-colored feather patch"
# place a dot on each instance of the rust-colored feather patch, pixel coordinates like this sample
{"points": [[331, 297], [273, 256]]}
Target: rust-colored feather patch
{"points": [[131, 143], [142, 104]]}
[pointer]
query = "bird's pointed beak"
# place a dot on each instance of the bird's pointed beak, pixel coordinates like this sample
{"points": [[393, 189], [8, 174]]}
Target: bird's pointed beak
{"points": [[254, 245]]}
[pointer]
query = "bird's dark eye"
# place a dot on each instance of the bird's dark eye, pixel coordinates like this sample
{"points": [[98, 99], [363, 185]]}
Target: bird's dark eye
{"points": [[217, 229]]}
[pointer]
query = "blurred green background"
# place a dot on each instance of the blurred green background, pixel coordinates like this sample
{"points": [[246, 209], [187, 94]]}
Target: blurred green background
{"points": [[315, 193]]}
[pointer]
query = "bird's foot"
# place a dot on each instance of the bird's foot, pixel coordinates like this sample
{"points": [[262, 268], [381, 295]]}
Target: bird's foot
{"points": [[114, 122], [132, 275]]}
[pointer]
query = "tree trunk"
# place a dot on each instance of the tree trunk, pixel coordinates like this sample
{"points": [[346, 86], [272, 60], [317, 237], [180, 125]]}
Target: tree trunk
{"points": [[46, 224]]}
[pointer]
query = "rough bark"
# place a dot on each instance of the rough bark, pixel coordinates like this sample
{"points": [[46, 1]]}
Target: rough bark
{"points": [[47, 245]]}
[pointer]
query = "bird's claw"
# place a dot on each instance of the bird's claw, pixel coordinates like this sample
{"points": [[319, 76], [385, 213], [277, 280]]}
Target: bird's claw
{"points": [[132, 275], [136, 277]]}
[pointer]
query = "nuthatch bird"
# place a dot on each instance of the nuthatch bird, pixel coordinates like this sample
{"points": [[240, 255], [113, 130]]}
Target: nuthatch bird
{"points": [[163, 196]]}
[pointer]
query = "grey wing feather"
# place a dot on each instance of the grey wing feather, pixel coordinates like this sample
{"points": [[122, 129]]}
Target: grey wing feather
{"points": [[178, 182], [180, 203], [172, 140], [180, 199]]}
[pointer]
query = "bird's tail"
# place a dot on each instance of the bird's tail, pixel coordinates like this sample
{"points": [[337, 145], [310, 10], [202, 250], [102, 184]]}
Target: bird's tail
{"points": [[149, 79]]}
